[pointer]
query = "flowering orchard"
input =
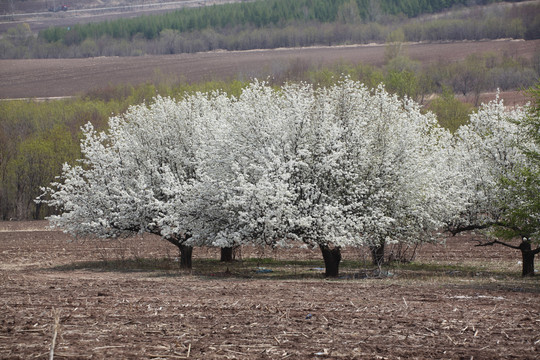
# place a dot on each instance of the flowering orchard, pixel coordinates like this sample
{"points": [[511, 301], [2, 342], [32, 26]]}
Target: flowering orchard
{"points": [[333, 167]]}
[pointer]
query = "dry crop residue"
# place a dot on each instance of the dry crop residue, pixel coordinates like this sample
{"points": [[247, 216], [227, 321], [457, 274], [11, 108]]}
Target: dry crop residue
{"points": [[154, 314]]}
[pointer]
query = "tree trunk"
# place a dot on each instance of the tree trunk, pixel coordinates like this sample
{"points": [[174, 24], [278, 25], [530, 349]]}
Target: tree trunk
{"points": [[332, 258], [377, 253], [37, 210], [527, 255], [186, 251], [185, 256], [227, 254]]}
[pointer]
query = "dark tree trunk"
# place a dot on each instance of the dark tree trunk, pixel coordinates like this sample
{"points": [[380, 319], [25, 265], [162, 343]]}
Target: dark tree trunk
{"points": [[186, 253], [527, 255], [332, 258], [227, 254], [37, 210], [377, 253]]}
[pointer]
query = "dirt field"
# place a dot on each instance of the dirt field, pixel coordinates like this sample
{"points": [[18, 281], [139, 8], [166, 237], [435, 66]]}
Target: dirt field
{"points": [[105, 312], [66, 77]]}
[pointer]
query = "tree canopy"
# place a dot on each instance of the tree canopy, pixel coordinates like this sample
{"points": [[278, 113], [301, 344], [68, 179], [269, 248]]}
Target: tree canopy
{"points": [[332, 167], [498, 151]]}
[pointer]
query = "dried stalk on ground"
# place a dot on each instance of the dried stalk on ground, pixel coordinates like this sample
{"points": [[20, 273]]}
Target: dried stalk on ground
{"points": [[56, 326]]}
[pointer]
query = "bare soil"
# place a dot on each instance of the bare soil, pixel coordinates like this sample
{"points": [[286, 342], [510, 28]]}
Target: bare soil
{"points": [[44, 78], [108, 312]]}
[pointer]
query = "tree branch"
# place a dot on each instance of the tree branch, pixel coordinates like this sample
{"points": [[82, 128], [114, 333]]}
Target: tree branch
{"points": [[178, 240], [499, 242], [173, 240], [461, 229]]}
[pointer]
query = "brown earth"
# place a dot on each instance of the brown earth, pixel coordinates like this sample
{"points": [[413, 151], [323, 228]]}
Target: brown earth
{"points": [[37, 78], [105, 312]]}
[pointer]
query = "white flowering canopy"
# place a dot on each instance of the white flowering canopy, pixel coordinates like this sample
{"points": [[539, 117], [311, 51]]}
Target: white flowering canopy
{"points": [[341, 166], [488, 150], [134, 175]]}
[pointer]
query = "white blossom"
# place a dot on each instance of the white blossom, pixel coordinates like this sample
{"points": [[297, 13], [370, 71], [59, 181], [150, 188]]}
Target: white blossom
{"points": [[341, 166]]}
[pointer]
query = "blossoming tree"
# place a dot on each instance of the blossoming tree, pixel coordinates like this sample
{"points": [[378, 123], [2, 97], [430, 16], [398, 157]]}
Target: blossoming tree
{"points": [[136, 176], [333, 167], [498, 151]]}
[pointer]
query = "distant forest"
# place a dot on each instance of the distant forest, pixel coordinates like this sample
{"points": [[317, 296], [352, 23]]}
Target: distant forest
{"points": [[277, 23], [258, 14]]}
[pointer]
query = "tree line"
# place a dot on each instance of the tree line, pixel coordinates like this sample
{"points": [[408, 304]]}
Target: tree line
{"points": [[330, 167], [285, 24], [258, 14]]}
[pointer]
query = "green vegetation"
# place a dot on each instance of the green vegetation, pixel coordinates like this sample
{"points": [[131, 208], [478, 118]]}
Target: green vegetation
{"points": [[451, 113], [276, 23], [35, 139], [406, 77]]}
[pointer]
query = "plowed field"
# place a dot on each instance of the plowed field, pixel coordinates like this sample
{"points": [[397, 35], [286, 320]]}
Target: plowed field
{"points": [[35, 78], [464, 302]]}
